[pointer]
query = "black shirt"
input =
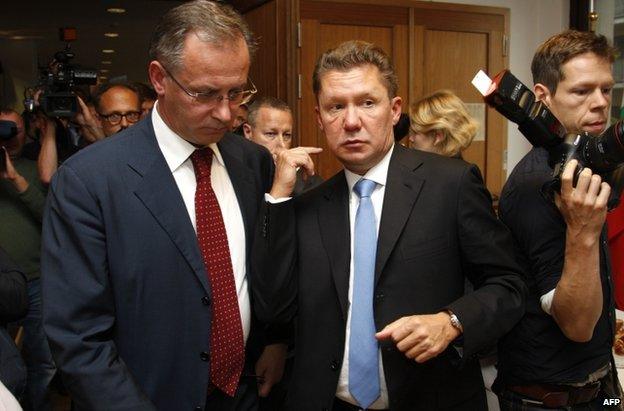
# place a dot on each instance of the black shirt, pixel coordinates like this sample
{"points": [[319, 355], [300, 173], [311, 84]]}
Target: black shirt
{"points": [[536, 350]]}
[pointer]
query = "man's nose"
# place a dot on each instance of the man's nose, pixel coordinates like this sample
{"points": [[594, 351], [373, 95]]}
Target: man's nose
{"points": [[124, 122], [599, 99], [222, 111], [352, 119]]}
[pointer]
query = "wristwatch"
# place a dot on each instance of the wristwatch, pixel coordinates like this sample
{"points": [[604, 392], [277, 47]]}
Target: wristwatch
{"points": [[455, 321]]}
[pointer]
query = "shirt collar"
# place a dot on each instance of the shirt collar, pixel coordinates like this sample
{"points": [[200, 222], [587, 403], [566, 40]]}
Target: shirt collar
{"points": [[175, 149], [378, 173]]}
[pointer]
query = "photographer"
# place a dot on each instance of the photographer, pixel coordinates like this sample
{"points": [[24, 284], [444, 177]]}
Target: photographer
{"points": [[559, 355], [22, 198]]}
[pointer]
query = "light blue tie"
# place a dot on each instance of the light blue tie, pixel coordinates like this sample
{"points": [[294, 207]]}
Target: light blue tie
{"points": [[363, 357]]}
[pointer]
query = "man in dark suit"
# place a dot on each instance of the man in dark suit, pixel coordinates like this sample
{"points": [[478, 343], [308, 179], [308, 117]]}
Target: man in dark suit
{"points": [[373, 261], [146, 236]]}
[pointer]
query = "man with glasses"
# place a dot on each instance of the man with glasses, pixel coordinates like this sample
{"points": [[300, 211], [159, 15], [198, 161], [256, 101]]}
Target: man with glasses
{"points": [[118, 107], [147, 234]]}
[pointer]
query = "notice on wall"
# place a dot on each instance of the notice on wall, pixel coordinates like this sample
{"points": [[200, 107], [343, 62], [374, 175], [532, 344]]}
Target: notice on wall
{"points": [[477, 111]]}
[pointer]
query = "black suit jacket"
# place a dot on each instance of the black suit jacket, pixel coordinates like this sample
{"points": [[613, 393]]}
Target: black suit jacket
{"points": [[437, 228], [126, 299]]}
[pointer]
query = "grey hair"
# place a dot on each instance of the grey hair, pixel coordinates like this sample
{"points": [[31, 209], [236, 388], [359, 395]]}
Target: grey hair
{"points": [[211, 21]]}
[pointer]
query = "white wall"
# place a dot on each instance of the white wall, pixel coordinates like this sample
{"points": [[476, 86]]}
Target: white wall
{"points": [[531, 22]]}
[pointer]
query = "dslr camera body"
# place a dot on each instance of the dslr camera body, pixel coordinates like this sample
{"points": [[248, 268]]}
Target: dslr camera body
{"points": [[510, 97]]}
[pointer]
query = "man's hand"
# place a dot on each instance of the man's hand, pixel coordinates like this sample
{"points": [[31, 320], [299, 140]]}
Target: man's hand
{"points": [[11, 174], [287, 163], [584, 207], [577, 301], [421, 337], [91, 129], [270, 367]]}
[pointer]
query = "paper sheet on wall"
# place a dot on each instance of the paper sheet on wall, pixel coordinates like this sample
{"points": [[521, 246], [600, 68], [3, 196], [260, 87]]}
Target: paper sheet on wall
{"points": [[477, 111]]}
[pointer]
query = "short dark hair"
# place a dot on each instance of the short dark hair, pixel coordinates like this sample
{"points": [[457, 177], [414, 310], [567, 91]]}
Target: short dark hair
{"points": [[145, 91], [352, 54], [269, 102], [212, 21], [97, 96], [561, 48]]}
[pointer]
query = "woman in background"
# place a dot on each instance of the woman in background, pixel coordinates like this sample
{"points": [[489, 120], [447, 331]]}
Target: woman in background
{"points": [[440, 123]]}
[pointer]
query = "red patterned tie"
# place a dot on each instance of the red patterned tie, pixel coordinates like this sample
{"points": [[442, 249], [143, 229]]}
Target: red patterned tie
{"points": [[226, 337]]}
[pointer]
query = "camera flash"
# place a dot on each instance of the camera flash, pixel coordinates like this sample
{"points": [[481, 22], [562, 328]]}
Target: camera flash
{"points": [[482, 82]]}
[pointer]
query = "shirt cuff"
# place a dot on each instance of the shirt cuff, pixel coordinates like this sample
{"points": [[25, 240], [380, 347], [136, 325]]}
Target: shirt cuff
{"points": [[546, 301], [269, 199]]}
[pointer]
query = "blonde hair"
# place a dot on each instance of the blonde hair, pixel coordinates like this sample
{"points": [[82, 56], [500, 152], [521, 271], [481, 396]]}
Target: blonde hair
{"points": [[444, 112]]}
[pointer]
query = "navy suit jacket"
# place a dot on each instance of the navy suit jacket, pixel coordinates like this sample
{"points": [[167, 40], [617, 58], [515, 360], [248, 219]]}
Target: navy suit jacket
{"points": [[437, 229], [127, 304]]}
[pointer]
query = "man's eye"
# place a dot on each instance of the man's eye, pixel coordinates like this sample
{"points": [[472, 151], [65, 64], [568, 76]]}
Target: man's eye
{"points": [[208, 95], [580, 92], [287, 136], [368, 103], [606, 90], [336, 107], [270, 134]]}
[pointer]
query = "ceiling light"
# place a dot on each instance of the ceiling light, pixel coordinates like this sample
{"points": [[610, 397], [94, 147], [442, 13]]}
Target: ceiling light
{"points": [[106, 62], [111, 35], [20, 37], [103, 70], [108, 51], [116, 10]]}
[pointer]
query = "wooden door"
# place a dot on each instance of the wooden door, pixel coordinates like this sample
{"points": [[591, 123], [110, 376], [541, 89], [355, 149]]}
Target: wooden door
{"points": [[325, 25], [454, 44]]}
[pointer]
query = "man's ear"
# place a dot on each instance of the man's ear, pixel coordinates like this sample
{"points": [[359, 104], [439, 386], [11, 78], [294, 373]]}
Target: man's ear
{"points": [[247, 131], [318, 118], [396, 104], [157, 77], [542, 93]]}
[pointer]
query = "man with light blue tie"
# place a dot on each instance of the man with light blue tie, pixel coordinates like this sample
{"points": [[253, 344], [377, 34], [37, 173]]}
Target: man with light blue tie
{"points": [[372, 263]]}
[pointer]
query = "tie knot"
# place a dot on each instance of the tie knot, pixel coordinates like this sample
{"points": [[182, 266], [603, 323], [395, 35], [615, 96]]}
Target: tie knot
{"points": [[202, 162], [364, 188]]}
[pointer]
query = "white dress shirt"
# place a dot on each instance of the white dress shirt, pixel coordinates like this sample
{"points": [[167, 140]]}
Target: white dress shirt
{"points": [[378, 174], [177, 152]]}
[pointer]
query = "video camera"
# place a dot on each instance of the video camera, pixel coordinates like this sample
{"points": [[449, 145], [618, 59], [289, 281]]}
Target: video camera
{"points": [[58, 79], [602, 154]]}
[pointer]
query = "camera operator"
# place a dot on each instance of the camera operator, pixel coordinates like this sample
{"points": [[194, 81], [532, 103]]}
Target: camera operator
{"points": [[22, 199], [559, 355]]}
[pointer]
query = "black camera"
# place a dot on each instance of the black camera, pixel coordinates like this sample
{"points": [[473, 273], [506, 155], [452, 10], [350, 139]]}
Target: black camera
{"points": [[8, 130], [57, 81], [602, 154]]}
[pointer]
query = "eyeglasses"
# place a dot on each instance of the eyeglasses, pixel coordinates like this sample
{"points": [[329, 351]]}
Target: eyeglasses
{"points": [[213, 97], [115, 118]]}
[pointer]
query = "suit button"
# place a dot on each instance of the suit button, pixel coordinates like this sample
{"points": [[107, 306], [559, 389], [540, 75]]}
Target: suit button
{"points": [[204, 356], [379, 296], [205, 300], [334, 365]]}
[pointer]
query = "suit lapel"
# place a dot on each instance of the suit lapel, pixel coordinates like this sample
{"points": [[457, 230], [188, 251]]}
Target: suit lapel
{"points": [[159, 193], [333, 215], [242, 178], [402, 190]]}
